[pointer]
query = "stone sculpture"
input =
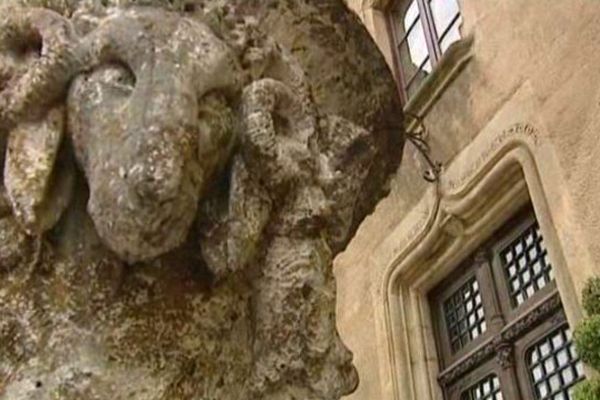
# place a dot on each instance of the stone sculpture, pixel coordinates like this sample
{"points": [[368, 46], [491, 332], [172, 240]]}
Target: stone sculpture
{"points": [[177, 178]]}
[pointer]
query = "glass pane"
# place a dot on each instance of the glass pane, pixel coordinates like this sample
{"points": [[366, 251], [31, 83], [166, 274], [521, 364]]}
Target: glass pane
{"points": [[486, 389], [417, 46], [464, 316], [444, 14], [554, 366], [413, 75], [453, 35], [414, 59], [415, 81], [411, 15], [526, 265]]}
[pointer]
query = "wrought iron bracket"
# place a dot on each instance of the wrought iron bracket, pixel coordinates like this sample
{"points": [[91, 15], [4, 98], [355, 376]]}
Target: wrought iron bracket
{"points": [[419, 139]]}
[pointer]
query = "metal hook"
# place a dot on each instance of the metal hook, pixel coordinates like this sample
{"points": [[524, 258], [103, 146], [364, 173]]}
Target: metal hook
{"points": [[432, 174]]}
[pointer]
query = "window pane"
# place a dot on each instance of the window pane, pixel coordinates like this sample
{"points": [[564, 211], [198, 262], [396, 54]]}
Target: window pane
{"points": [[486, 389], [443, 12], [554, 366], [451, 36], [447, 21], [417, 46], [526, 265], [411, 15], [464, 316], [414, 82], [414, 59], [412, 74]]}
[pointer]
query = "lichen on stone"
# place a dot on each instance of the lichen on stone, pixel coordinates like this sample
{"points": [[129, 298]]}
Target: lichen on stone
{"points": [[177, 178]]}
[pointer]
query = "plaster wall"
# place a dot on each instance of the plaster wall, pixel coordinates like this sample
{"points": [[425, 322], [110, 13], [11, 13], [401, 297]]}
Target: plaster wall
{"points": [[549, 49]]}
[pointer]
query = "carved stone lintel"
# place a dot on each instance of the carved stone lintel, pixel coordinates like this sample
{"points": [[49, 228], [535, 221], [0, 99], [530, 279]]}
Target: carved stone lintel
{"points": [[461, 367], [481, 257], [505, 354], [533, 318]]}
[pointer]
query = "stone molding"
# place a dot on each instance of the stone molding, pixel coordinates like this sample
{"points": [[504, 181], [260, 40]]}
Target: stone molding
{"points": [[375, 4], [454, 60], [507, 165]]}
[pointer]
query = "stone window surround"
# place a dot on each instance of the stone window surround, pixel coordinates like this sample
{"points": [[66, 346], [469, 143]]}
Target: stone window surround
{"points": [[399, 37], [501, 170], [374, 14]]}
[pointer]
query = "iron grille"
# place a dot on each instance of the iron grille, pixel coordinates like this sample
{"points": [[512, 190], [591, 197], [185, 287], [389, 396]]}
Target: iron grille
{"points": [[526, 264], [554, 366], [486, 389], [465, 318]]}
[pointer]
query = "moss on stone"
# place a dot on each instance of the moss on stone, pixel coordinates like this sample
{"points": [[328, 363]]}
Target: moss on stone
{"points": [[591, 297], [588, 390], [587, 340]]}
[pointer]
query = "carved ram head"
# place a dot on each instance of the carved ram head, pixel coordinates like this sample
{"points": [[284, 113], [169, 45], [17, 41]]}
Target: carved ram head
{"points": [[148, 96], [219, 144]]}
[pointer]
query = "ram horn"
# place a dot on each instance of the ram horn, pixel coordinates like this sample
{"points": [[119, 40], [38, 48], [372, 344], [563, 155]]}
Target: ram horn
{"points": [[39, 57], [37, 60]]}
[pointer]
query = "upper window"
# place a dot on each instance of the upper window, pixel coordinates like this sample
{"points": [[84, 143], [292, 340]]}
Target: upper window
{"points": [[422, 31]]}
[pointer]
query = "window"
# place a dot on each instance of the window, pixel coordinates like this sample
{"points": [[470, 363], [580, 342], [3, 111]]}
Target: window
{"points": [[486, 389], [553, 365], [501, 331], [525, 262], [464, 315], [422, 30]]}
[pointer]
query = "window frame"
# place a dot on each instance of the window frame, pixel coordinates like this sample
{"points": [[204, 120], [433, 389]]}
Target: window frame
{"points": [[468, 269], [432, 39], [506, 236], [475, 376], [522, 346], [508, 169], [501, 316]]}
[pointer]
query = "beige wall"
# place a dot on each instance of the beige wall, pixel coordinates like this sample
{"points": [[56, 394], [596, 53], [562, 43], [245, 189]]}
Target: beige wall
{"points": [[533, 62]]}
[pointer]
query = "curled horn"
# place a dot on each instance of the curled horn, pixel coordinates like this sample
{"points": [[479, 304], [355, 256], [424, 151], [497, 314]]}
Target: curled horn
{"points": [[38, 57], [27, 93], [262, 102]]}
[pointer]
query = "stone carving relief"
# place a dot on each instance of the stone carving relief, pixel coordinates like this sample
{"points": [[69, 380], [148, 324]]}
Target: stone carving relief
{"points": [[177, 178]]}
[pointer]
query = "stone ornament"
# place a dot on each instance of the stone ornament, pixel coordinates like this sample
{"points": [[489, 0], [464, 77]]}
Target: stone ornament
{"points": [[177, 178]]}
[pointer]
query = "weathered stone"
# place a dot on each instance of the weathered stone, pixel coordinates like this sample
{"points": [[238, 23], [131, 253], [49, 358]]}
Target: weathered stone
{"points": [[224, 161], [38, 188], [146, 167], [13, 244]]}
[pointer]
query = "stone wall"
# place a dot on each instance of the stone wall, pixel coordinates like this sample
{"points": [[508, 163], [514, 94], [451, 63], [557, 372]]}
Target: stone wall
{"points": [[546, 51], [177, 177]]}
